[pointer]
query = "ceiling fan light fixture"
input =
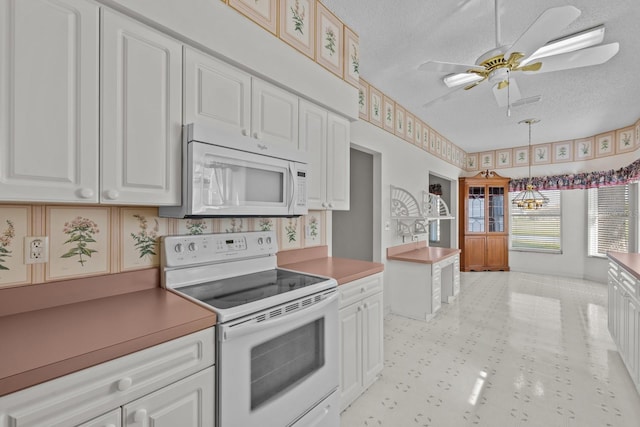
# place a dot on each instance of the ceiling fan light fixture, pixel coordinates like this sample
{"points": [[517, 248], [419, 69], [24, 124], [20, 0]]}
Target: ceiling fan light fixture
{"points": [[454, 80], [581, 40]]}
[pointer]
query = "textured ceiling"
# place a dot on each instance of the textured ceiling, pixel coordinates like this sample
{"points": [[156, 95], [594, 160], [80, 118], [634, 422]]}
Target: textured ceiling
{"points": [[396, 36]]}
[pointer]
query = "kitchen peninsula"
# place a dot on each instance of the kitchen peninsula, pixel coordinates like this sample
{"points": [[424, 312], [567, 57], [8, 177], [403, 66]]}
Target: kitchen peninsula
{"points": [[421, 277]]}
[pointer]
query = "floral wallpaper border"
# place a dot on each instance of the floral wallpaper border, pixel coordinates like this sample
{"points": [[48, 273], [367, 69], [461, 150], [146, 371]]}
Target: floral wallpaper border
{"points": [[584, 180]]}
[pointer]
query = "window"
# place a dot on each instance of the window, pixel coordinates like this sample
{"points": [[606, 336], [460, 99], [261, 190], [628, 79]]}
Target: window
{"points": [[537, 230], [608, 219]]}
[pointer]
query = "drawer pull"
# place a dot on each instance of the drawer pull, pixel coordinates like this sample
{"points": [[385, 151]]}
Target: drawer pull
{"points": [[361, 290], [124, 383], [140, 415]]}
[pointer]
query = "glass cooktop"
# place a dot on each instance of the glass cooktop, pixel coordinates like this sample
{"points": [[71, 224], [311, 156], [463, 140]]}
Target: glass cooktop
{"points": [[239, 290]]}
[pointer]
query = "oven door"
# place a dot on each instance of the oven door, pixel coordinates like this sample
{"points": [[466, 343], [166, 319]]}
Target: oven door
{"points": [[280, 368]]}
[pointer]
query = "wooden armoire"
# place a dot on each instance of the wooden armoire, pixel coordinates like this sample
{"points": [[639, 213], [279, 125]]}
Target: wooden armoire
{"points": [[484, 223]]}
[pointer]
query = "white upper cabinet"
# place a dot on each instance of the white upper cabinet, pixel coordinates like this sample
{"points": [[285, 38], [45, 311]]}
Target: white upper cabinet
{"points": [[49, 100], [223, 96], [313, 131], [141, 100], [338, 162], [216, 93], [274, 115], [326, 137]]}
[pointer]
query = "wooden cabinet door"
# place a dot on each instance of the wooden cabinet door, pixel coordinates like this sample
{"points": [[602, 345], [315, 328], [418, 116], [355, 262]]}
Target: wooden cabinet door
{"points": [[186, 403], [216, 93], [141, 98], [497, 252], [372, 338], [274, 115], [313, 135], [350, 353], [338, 163], [49, 100], [474, 252]]}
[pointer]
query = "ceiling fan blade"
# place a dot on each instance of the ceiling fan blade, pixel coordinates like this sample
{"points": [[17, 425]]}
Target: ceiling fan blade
{"points": [[449, 94], [550, 23], [446, 67], [526, 101], [530, 67], [580, 58], [504, 96]]}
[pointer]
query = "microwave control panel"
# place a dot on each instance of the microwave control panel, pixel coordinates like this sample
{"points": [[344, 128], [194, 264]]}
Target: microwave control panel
{"points": [[302, 188]]}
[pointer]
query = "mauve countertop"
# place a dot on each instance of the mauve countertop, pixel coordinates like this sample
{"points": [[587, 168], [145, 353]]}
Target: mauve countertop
{"points": [[419, 252], [315, 261], [631, 262], [53, 329]]}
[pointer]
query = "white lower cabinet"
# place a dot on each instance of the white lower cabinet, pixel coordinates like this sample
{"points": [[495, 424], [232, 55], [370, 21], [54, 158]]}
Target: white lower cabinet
{"points": [[187, 403], [110, 419], [624, 318], [361, 336], [156, 386]]}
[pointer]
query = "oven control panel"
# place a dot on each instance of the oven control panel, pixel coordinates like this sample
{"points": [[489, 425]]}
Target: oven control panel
{"points": [[185, 250]]}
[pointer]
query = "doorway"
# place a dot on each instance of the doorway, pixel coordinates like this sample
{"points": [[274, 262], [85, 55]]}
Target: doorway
{"points": [[440, 230], [356, 232]]}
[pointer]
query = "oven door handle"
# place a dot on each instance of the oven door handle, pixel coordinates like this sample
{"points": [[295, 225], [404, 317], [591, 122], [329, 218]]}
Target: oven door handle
{"points": [[241, 329]]}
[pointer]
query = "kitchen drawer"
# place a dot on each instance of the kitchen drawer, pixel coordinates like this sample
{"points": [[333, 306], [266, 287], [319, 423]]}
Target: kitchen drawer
{"points": [[111, 419], [358, 289], [629, 282], [86, 394]]}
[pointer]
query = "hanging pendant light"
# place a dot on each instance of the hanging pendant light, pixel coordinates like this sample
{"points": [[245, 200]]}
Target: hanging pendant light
{"points": [[530, 198]]}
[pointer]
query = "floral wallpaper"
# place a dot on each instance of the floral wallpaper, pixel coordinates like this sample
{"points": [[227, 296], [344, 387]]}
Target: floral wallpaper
{"points": [[95, 240]]}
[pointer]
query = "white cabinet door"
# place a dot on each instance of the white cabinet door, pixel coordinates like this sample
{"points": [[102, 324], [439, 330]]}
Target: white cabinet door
{"points": [[49, 100], [111, 419], [274, 115], [372, 338], [216, 93], [313, 134], [350, 354], [338, 166], [631, 338], [141, 100], [186, 403]]}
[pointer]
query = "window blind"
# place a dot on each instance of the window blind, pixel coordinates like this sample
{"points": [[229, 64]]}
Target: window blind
{"points": [[537, 230], [608, 219]]}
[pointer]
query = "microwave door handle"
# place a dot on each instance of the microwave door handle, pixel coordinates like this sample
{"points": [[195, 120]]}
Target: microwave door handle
{"points": [[233, 332], [293, 189]]}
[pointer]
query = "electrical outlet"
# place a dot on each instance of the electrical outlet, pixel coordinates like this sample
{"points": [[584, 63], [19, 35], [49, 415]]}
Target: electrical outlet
{"points": [[36, 249]]}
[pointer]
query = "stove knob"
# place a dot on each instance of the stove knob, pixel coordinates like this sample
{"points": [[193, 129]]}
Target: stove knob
{"points": [[260, 240], [178, 248], [268, 240], [192, 247]]}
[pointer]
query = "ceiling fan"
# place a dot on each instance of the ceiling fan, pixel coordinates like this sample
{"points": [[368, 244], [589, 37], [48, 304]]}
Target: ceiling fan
{"points": [[531, 53]]}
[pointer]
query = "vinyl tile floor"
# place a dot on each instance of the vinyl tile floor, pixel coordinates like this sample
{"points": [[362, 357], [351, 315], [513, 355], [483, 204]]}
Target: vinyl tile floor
{"points": [[513, 349]]}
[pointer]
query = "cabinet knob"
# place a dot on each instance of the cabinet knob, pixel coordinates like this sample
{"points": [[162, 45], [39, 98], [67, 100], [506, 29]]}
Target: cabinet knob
{"points": [[140, 415], [361, 290], [324, 204], [85, 193], [256, 135], [111, 194], [330, 205], [359, 308], [244, 132], [124, 383]]}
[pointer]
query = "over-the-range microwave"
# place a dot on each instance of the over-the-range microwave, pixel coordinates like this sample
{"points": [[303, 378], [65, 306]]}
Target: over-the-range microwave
{"points": [[228, 175]]}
